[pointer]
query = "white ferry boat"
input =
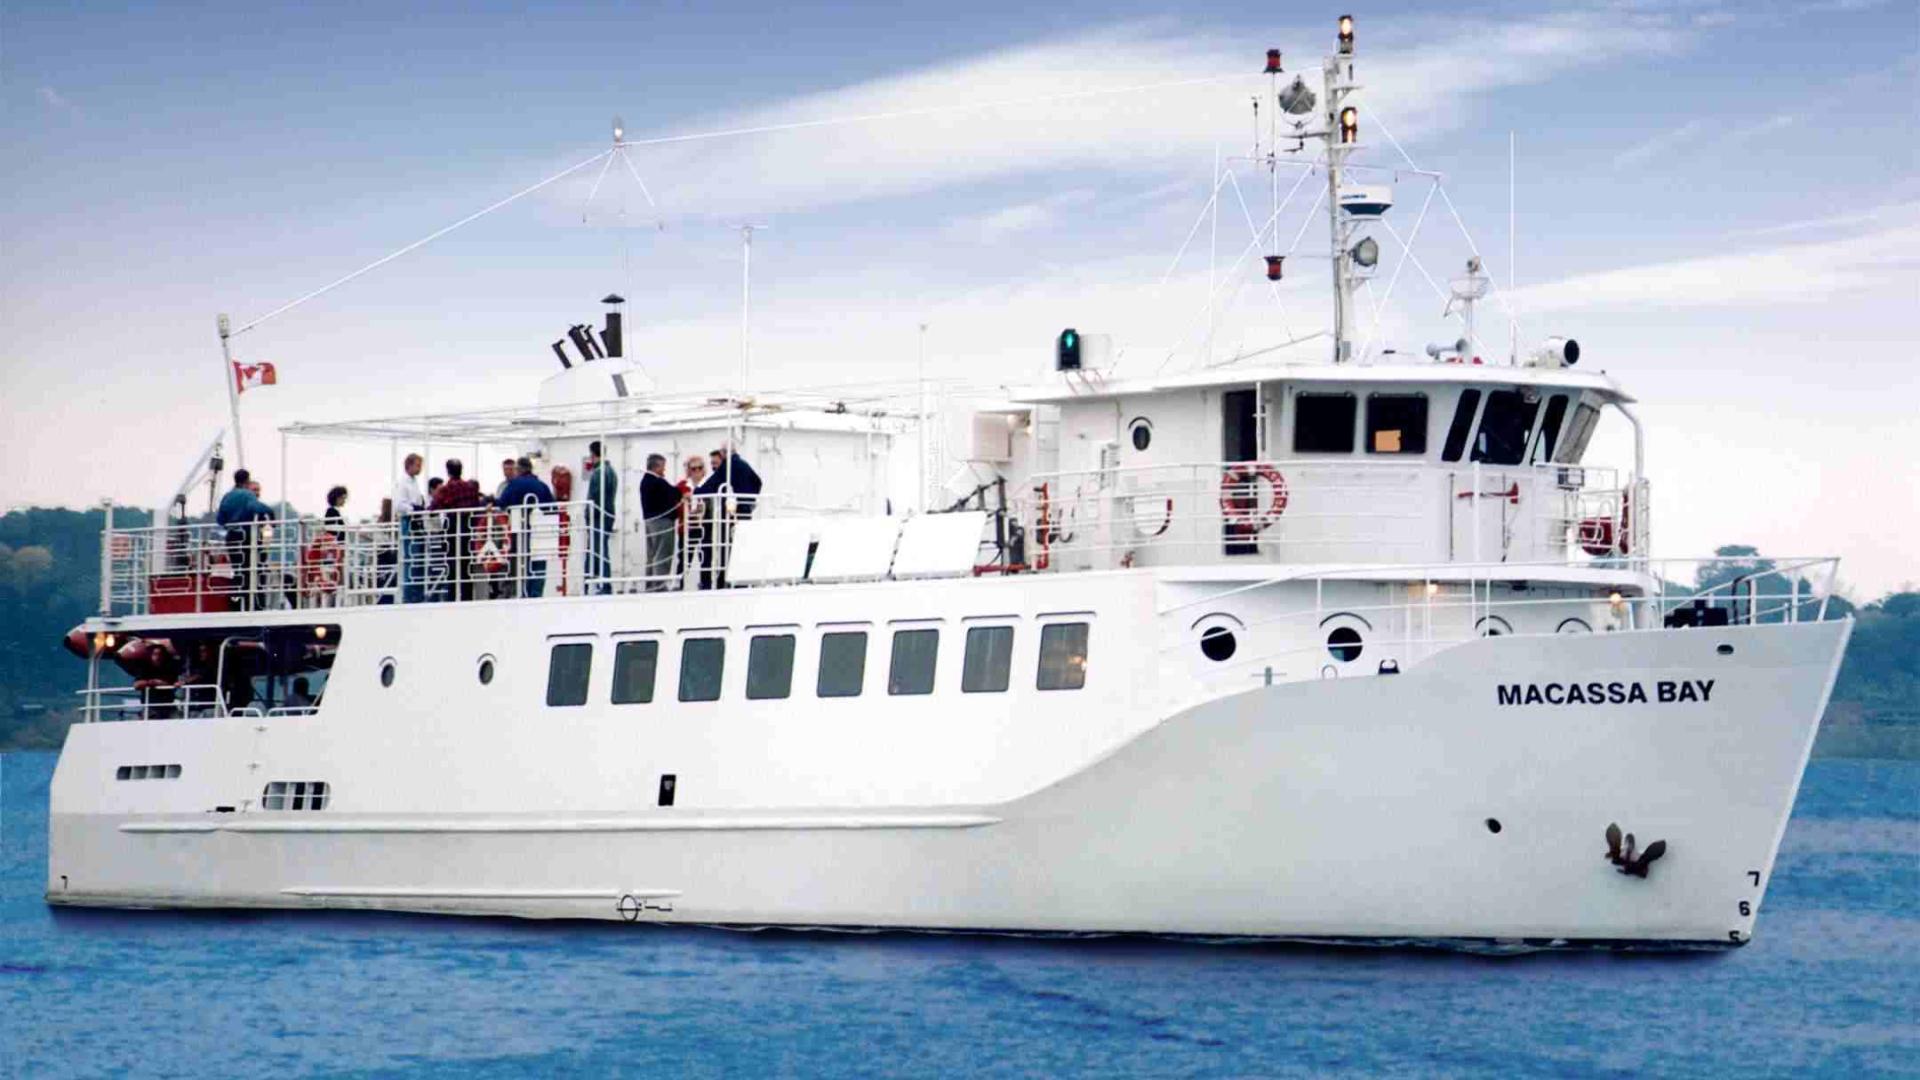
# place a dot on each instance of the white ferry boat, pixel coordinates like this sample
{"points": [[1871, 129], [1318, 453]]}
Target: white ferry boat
{"points": [[1362, 650]]}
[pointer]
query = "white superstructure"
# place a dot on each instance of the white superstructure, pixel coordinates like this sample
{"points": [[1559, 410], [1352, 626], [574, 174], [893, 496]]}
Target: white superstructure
{"points": [[1361, 650]]}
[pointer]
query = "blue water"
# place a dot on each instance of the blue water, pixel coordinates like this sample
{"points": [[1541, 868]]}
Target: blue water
{"points": [[1830, 986]]}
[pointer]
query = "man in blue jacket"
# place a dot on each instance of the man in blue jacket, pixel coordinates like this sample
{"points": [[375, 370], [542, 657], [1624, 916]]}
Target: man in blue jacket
{"points": [[515, 497], [239, 509]]}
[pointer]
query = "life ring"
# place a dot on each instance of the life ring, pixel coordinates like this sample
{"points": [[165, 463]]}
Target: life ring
{"points": [[1240, 501], [492, 541], [320, 565]]}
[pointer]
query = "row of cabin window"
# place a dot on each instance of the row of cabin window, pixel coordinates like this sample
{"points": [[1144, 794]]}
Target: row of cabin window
{"points": [[987, 667], [1397, 424]]}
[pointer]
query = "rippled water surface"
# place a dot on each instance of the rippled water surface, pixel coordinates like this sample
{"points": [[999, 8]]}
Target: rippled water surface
{"points": [[1831, 986]]}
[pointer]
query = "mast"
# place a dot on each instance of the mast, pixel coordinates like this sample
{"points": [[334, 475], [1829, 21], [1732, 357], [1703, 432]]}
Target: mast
{"points": [[233, 391], [1342, 137]]}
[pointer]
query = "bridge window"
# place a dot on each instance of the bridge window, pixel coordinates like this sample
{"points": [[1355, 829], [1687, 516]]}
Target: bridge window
{"points": [[635, 663], [1462, 425], [1504, 429], [568, 668], [989, 660], [914, 655], [843, 663], [1063, 656], [1323, 423], [1550, 428], [702, 663], [1396, 423], [1574, 446], [770, 667]]}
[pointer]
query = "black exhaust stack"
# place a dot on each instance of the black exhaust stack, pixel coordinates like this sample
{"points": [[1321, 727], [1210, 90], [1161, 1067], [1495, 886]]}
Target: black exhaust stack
{"points": [[580, 342], [612, 335], [560, 350]]}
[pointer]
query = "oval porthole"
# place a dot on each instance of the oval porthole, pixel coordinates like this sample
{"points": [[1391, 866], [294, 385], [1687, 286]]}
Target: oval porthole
{"points": [[386, 671], [1343, 644], [486, 670], [1574, 626], [1218, 643], [1141, 432], [1493, 825]]}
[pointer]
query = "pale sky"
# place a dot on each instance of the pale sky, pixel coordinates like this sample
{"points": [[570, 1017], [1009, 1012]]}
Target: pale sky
{"points": [[1721, 201]]}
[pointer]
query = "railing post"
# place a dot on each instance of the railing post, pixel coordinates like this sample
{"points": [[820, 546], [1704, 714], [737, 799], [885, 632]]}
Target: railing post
{"points": [[106, 559]]}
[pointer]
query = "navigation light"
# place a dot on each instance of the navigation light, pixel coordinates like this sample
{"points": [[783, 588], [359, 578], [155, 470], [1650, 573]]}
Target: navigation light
{"points": [[1346, 35], [1349, 125], [1273, 61]]}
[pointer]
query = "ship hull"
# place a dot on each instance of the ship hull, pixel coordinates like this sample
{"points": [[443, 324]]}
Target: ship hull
{"points": [[1465, 800]]}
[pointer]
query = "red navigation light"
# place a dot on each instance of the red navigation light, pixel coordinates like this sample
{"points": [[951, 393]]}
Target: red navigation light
{"points": [[1273, 266], [1273, 61]]}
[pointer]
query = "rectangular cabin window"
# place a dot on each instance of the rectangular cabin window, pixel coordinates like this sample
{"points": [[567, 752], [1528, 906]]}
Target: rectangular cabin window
{"points": [[1550, 429], [1574, 446], [1504, 428], [1396, 423], [702, 662], [1063, 656], [1239, 437], [634, 665], [770, 667], [914, 655], [989, 660], [1323, 423], [1462, 425], [843, 663], [568, 667]]}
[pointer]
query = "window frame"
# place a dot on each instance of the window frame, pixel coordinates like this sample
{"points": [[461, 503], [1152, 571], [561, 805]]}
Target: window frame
{"points": [[1579, 432], [1521, 436], [999, 681], [620, 646], [864, 633], [1466, 417], [1049, 631], [755, 653], [1352, 402], [1552, 426], [554, 648], [1413, 440], [895, 687], [687, 653]]}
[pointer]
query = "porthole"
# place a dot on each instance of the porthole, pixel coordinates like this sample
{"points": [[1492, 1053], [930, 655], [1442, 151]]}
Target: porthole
{"points": [[1493, 825], [386, 671], [1573, 626], [1218, 644], [485, 673], [1141, 432], [1493, 626], [1343, 644]]}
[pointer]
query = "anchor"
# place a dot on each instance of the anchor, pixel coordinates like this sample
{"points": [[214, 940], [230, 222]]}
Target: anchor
{"points": [[1628, 861]]}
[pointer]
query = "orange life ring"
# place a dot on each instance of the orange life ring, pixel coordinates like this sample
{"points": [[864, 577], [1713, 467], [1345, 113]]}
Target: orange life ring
{"points": [[492, 541], [1240, 501]]}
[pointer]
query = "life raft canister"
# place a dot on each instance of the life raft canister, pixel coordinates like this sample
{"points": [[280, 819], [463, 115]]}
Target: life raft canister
{"points": [[1240, 500]]}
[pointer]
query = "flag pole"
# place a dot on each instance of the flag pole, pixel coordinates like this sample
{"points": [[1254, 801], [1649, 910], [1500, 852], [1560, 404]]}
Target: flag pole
{"points": [[233, 392]]}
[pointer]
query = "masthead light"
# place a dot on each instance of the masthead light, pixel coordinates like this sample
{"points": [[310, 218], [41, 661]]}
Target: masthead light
{"points": [[1346, 35], [1349, 125]]}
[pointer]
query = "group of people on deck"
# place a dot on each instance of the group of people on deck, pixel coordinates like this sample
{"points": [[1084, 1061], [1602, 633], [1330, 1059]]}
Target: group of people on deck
{"points": [[688, 525]]}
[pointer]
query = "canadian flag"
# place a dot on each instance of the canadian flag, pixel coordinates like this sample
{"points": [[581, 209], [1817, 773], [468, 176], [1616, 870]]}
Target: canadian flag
{"points": [[246, 376]]}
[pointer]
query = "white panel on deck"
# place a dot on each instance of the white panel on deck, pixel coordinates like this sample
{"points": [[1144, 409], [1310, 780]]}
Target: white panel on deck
{"points": [[854, 548], [940, 545], [770, 551]]}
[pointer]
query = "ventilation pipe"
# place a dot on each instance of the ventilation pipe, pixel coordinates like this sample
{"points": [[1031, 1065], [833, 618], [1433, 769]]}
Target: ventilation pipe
{"points": [[560, 350], [577, 334], [612, 335]]}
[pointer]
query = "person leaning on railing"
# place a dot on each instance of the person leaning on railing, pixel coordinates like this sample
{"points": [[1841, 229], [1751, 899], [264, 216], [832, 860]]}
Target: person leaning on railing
{"points": [[408, 500], [518, 497], [660, 509], [603, 486], [239, 512], [456, 499]]}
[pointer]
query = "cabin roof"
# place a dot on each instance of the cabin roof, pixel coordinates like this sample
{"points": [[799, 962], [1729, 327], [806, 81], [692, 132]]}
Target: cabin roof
{"points": [[1094, 385], [620, 416]]}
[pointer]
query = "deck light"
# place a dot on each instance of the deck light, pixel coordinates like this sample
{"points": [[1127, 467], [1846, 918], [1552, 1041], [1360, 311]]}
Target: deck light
{"points": [[1346, 35], [1366, 253], [1349, 125], [320, 632]]}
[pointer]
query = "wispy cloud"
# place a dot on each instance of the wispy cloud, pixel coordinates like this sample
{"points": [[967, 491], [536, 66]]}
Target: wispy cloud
{"points": [[1784, 274], [995, 226], [1423, 87], [1892, 211], [1641, 153]]}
